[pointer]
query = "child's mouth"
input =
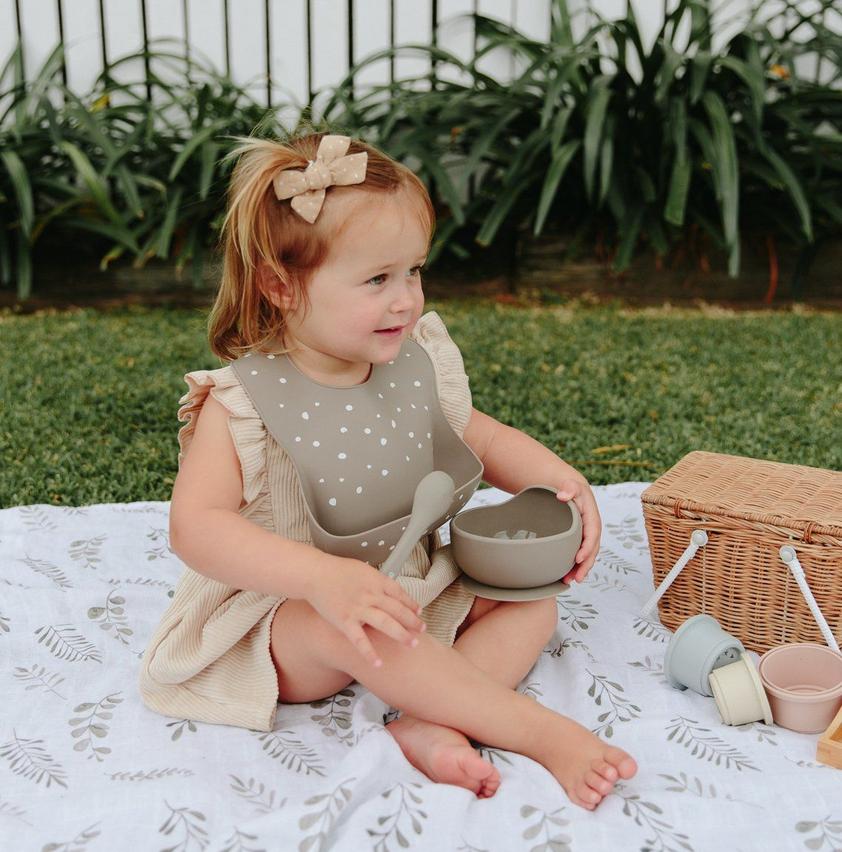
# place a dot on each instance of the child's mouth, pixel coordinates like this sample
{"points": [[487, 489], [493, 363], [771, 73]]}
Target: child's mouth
{"points": [[390, 331]]}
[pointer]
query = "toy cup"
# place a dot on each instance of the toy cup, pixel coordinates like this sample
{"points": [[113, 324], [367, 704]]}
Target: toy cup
{"points": [[804, 683], [698, 647], [739, 693]]}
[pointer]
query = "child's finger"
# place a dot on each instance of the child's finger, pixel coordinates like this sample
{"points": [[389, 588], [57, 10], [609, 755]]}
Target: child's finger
{"points": [[360, 641], [403, 614]]}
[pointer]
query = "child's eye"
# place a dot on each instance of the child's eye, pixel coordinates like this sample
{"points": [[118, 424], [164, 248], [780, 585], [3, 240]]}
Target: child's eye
{"points": [[416, 270]]}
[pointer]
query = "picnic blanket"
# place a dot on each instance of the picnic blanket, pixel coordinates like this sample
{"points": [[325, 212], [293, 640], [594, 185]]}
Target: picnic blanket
{"points": [[85, 766]]}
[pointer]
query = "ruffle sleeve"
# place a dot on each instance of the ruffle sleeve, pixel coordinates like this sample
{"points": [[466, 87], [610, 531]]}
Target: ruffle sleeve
{"points": [[452, 381], [247, 432]]}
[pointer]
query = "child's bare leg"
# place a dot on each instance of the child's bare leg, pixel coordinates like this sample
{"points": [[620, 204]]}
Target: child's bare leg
{"points": [[444, 754], [437, 683]]}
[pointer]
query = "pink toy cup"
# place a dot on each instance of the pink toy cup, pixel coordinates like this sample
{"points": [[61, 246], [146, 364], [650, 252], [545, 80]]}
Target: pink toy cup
{"points": [[803, 681]]}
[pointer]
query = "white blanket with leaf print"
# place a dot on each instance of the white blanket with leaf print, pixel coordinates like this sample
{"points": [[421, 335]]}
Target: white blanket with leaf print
{"points": [[85, 766]]}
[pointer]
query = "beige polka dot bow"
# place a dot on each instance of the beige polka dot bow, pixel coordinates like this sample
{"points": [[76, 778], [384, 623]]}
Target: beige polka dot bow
{"points": [[332, 167]]}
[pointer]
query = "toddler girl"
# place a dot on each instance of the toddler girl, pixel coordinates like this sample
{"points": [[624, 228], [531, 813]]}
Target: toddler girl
{"points": [[325, 238]]}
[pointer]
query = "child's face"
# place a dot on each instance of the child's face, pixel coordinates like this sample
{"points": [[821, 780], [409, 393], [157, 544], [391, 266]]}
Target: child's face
{"points": [[370, 281]]}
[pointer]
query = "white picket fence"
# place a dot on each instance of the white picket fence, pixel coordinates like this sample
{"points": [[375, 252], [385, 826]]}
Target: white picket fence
{"points": [[232, 35]]}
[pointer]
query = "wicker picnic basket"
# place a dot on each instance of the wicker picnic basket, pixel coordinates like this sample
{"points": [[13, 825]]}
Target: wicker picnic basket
{"points": [[749, 509]]}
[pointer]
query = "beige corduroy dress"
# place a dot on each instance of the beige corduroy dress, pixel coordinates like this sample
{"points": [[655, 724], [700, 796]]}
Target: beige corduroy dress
{"points": [[209, 658]]}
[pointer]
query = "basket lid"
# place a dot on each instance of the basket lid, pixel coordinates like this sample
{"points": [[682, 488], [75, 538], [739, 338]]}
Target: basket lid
{"points": [[806, 499]]}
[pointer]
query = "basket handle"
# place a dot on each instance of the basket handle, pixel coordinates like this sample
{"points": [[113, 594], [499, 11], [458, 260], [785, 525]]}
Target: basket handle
{"points": [[790, 559], [698, 539]]}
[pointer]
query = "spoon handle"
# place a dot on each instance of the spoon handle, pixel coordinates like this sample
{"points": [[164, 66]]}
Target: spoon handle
{"points": [[406, 542]]}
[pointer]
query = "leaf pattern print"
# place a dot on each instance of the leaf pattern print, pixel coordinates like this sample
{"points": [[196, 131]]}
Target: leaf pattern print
{"points": [[161, 539], [575, 613], [336, 722], [112, 615], [49, 570], [829, 831], [643, 814], [247, 791], [651, 629], [614, 562], [79, 842], [403, 816], [697, 788], [324, 816], [556, 842], [4, 624], [628, 533], [561, 647], [36, 677], [36, 518], [178, 728], [620, 709], [185, 822], [66, 643], [713, 748], [94, 724], [86, 551], [292, 752], [238, 843], [29, 759], [151, 775], [605, 584]]}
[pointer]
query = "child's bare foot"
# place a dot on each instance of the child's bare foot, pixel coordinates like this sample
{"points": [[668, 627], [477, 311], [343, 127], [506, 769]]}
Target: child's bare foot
{"points": [[585, 766], [444, 755]]}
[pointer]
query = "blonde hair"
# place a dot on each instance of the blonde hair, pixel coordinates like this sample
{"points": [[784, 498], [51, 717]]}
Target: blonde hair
{"points": [[259, 233]]}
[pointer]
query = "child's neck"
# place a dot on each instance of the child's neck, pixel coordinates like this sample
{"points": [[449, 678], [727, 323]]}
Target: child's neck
{"points": [[343, 378]]}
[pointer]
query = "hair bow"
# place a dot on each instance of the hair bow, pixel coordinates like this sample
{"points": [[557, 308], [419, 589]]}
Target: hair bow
{"points": [[332, 167]]}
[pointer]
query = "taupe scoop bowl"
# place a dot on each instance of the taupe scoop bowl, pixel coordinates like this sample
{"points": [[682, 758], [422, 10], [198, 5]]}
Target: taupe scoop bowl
{"points": [[499, 566]]}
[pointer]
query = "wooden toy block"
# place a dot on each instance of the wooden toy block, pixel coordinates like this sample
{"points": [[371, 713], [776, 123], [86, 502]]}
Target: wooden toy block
{"points": [[829, 749]]}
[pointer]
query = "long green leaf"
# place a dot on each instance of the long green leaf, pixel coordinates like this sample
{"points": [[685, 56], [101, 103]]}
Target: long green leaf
{"points": [[168, 226], [681, 166], [23, 190], [727, 173], [793, 185], [597, 105], [555, 173], [195, 141], [92, 181]]}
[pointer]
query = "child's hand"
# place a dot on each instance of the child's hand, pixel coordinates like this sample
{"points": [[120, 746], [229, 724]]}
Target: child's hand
{"points": [[580, 493], [351, 593]]}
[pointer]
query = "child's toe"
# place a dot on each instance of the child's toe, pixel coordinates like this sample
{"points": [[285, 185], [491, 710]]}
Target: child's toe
{"points": [[596, 781], [606, 770], [624, 763]]}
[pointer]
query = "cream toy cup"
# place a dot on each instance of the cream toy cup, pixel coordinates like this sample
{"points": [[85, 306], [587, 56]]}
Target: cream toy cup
{"points": [[519, 549]]}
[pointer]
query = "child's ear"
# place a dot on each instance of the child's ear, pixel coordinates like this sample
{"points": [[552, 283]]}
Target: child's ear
{"points": [[276, 288]]}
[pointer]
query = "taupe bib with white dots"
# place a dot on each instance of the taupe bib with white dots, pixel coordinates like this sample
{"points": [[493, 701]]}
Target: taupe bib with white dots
{"points": [[360, 451]]}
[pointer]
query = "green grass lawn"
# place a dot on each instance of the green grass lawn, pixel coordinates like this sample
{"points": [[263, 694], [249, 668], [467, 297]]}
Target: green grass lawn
{"points": [[89, 399]]}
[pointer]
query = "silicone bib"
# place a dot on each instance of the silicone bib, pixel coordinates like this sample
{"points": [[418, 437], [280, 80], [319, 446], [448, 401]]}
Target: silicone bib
{"points": [[360, 451]]}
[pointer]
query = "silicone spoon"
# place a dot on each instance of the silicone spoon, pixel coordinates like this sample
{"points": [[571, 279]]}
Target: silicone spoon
{"points": [[432, 499]]}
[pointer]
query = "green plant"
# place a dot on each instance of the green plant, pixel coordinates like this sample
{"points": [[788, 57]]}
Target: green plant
{"points": [[145, 177], [646, 143]]}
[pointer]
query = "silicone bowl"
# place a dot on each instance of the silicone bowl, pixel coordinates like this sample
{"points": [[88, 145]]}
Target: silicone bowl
{"points": [[518, 563], [804, 683]]}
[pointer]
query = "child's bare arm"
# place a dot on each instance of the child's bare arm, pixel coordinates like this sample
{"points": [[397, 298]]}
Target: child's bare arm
{"points": [[207, 532], [209, 535]]}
